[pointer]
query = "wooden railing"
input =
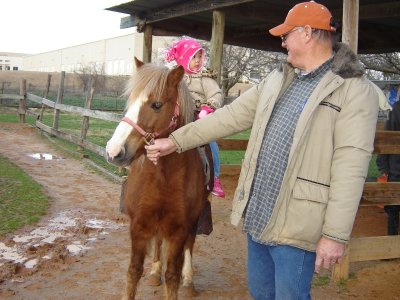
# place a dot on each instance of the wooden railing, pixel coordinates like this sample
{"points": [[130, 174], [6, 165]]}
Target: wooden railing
{"points": [[358, 249], [374, 193]]}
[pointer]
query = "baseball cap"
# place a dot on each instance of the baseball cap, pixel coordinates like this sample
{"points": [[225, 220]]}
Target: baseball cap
{"points": [[306, 13]]}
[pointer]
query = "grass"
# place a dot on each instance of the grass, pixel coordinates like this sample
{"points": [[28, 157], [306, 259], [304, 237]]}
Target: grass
{"points": [[22, 201], [100, 132]]}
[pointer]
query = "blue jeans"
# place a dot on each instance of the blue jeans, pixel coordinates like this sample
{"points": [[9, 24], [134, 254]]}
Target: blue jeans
{"points": [[279, 272], [215, 154]]}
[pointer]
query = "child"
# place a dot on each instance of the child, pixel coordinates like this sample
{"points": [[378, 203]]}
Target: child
{"points": [[204, 89]]}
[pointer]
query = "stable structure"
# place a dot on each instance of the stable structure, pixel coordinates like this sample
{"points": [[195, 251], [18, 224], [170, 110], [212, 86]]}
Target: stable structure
{"points": [[369, 26]]}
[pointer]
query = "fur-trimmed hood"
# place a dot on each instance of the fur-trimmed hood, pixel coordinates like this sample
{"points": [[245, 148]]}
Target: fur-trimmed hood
{"points": [[345, 62]]}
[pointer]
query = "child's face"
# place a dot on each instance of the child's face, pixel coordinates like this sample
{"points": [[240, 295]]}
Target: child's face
{"points": [[195, 62]]}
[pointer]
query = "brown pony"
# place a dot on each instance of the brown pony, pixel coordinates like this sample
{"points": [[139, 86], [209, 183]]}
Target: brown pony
{"points": [[163, 201]]}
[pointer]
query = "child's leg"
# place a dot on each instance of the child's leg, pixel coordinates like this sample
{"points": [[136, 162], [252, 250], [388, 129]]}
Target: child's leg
{"points": [[215, 154], [217, 190]]}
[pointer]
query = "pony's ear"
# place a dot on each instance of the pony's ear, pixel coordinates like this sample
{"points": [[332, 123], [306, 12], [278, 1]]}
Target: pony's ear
{"points": [[175, 75], [138, 63]]}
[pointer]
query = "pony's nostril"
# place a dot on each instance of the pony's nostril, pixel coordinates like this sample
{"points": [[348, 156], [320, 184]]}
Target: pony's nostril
{"points": [[121, 153]]}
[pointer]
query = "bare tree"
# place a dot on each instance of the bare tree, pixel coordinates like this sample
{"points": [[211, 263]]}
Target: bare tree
{"points": [[245, 64], [93, 71], [239, 63], [383, 66]]}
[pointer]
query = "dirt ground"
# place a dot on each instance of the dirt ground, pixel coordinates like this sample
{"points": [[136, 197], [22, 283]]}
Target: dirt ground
{"points": [[81, 249]]}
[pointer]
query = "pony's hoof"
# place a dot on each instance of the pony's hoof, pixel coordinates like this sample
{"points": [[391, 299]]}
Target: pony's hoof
{"points": [[188, 291], [154, 280]]}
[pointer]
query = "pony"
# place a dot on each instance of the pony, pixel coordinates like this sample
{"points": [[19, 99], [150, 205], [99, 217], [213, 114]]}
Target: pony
{"points": [[163, 201]]}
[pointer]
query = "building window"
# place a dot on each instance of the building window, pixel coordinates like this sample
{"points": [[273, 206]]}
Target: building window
{"points": [[7, 68], [15, 68]]}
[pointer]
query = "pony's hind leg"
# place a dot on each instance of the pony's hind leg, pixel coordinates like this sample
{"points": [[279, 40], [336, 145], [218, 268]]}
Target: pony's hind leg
{"points": [[135, 270], [156, 266], [187, 270]]}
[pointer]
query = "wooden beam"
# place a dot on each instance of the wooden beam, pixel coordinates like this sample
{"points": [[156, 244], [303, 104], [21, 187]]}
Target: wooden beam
{"points": [[350, 23], [147, 43], [374, 248], [387, 142], [182, 9], [380, 10], [217, 42]]}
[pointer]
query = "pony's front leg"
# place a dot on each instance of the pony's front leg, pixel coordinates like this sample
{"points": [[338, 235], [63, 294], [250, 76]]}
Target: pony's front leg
{"points": [[135, 270], [174, 266]]}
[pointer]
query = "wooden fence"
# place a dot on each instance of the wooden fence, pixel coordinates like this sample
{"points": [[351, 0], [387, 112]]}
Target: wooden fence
{"points": [[375, 193]]}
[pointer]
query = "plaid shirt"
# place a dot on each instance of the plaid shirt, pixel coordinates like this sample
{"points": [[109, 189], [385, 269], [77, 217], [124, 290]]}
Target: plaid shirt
{"points": [[274, 152]]}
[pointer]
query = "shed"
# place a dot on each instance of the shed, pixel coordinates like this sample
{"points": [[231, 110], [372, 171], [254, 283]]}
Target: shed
{"points": [[247, 21]]}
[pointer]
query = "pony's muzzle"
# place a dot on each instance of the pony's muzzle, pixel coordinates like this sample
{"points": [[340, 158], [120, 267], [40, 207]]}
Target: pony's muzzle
{"points": [[116, 159]]}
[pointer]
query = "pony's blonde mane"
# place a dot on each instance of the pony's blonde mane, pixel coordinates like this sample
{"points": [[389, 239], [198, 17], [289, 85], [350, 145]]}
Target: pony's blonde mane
{"points": [[151, 79]]}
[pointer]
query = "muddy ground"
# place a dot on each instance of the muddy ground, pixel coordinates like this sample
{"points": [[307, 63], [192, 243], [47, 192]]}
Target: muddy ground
{"points": [[81, 249]]}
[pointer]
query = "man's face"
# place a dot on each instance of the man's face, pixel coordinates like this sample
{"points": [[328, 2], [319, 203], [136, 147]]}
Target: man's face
{"points": [[293, 42]]}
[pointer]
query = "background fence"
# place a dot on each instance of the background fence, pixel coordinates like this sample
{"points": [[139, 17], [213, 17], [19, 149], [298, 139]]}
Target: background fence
{"points": [[375, 193]]}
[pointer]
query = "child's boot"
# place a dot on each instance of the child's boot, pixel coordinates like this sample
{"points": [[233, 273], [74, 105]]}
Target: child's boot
{"points": [[217, 190]]}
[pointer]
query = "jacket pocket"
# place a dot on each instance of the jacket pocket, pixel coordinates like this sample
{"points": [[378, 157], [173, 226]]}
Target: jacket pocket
{"points": [[306, 212]]}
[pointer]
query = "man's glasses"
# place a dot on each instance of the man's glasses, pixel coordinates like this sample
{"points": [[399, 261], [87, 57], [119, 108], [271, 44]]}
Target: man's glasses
{"points": [[285, 36]]}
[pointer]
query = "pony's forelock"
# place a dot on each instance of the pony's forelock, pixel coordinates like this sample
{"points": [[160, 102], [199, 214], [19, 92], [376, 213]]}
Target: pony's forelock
{"points": [[151, 79]]}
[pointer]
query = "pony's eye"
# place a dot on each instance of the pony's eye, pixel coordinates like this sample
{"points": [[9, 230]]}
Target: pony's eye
{"points": [[156, 106]]}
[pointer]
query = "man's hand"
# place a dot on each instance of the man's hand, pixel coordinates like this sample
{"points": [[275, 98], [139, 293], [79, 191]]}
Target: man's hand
{"points": [[329, 252], [160, 148]]}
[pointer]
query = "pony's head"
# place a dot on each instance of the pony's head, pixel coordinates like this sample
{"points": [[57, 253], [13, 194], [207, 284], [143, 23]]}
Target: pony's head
{"points": [[158, 103]]}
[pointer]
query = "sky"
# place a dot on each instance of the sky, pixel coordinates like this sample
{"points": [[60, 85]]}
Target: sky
{"points": [[37, 26]]}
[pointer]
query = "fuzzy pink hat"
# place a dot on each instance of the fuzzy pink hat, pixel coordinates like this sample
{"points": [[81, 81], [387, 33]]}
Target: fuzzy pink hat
{"points": [[182, 52]]}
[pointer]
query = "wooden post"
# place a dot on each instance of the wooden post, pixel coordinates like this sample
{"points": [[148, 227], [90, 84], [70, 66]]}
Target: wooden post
{"points": [[217, 42], [45, 95], [88, 104], [350, 23], [147, 43], [341, 270], [22, 101], [60, 96]]}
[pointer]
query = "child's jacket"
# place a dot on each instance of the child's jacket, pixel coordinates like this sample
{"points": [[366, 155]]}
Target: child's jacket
{"points": [[204, 90]]}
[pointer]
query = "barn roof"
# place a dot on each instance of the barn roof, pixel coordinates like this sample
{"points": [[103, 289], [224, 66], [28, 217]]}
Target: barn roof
{"points": [[247, 21]]}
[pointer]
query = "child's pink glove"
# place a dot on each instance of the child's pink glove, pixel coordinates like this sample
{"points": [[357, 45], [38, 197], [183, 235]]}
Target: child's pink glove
{"points": [[204, 111]]}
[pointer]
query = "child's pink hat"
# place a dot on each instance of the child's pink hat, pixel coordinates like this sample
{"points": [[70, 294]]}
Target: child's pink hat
{"points": [[182, 52]]}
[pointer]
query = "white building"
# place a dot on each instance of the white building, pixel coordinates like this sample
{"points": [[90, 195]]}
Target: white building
{"points": [[115, 55], [11, 61]]}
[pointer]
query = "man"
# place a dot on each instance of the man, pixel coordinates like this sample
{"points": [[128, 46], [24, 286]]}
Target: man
{"points": [[389, 167], [313, 123]]}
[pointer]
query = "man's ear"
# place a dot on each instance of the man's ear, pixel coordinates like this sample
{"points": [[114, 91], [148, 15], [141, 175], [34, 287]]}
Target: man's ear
{"points": [[138, 63]]}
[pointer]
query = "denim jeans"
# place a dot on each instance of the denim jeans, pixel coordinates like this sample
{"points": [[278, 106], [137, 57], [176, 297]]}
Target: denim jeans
{"points": [[279, 272], [215, 154]]}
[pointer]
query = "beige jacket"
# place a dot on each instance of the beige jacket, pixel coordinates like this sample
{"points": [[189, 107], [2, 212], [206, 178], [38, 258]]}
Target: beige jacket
{"points": [[204, 90], [329, 158]]}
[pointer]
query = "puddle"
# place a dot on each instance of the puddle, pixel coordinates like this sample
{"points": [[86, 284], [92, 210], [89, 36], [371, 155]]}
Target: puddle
{"points": [[44, 156], [64, 227]]}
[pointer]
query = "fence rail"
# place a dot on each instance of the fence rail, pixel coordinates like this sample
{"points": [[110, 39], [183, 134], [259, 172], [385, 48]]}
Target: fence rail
{"points": [[374, 193]]}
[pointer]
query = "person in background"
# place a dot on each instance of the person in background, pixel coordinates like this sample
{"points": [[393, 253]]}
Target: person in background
{"points": [[313, 122], [204, 89], [389, 168]]}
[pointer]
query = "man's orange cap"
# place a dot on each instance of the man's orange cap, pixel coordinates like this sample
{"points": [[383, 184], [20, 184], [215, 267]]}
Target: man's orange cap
{"points": [[306, 13]]}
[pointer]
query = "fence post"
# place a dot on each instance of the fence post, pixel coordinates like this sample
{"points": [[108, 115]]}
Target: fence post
{"points": [[88, 104], [60, 95], [45, 95], [22, 101], [341, 270]]}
